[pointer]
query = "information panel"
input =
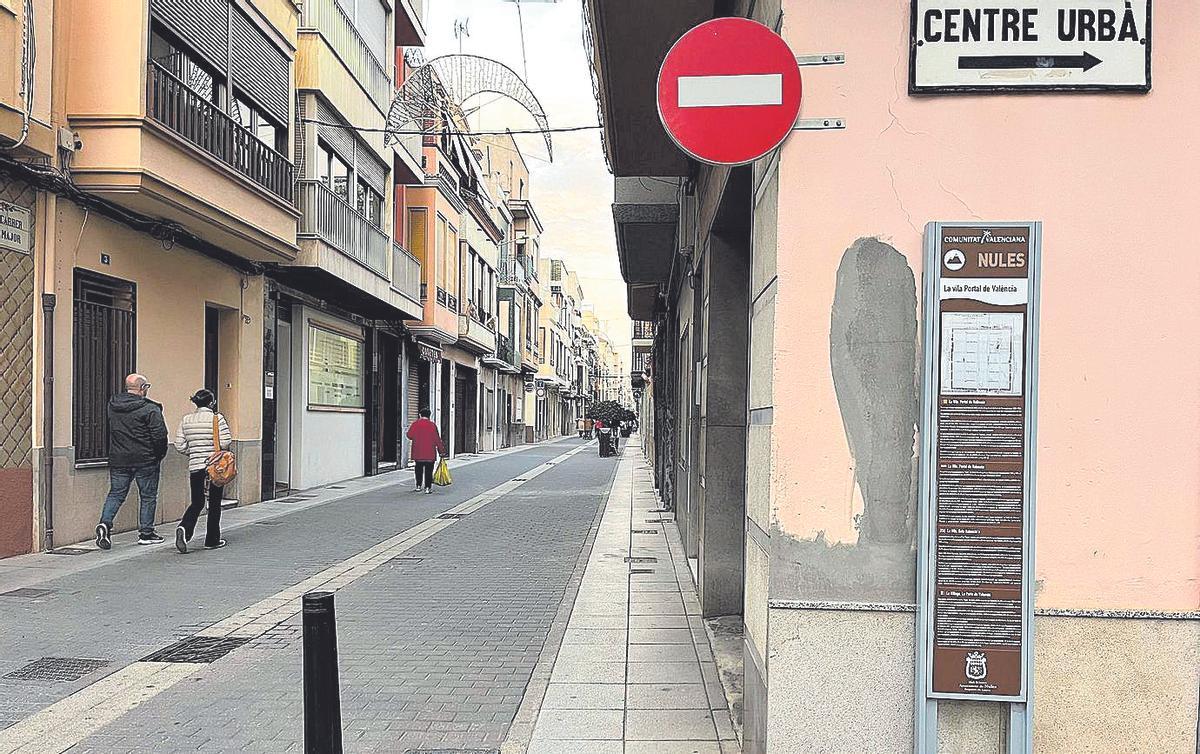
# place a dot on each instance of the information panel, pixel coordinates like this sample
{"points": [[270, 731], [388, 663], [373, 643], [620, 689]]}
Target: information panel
{"points": [[335, 370], [977, 504]]}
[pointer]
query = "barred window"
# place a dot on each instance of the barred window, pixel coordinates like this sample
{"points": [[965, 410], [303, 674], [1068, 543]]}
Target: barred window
{"points": [[105, 351]]}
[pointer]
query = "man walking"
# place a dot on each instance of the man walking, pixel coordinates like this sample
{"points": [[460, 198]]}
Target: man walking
{"points": [[426, 444], [137, 443]]}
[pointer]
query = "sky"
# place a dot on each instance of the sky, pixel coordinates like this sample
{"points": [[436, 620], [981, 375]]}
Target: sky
{"points": [[573, 194]]}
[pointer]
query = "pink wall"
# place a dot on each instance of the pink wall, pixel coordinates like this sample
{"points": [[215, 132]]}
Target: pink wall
{"points": [[1113, 177]]}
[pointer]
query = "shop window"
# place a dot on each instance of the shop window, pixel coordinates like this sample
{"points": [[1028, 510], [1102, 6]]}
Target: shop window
{"points": [[104, 345], [335, 370]]}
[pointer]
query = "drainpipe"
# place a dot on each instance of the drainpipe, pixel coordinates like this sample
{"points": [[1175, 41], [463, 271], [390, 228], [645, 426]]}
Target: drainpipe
{"points": [[50, 203]]}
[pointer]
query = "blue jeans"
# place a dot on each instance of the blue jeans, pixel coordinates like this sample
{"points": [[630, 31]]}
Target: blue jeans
{"points": [[120, 480]]}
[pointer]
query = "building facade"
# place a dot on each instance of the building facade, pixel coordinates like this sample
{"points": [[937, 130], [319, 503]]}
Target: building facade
{"points": [[783, 384]]}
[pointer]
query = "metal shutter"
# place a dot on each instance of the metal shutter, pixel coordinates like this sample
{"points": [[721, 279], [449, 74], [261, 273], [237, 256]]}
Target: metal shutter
{"points": [[372, 170], [340, 139], [259, 67], [203, 25], [372, 22]]}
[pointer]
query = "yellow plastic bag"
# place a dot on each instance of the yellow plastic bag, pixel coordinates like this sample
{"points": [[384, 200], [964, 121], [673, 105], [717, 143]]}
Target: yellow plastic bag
{"points": [[441, 474]]}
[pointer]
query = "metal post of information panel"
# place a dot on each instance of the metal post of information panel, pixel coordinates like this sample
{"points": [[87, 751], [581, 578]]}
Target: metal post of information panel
{"points": [[978, 277]]}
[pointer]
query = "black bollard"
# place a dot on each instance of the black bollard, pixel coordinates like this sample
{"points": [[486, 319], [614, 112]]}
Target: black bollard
{"points": [[322, 698]]}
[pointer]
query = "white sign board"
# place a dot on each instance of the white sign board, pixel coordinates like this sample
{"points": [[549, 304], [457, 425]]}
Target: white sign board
{"points": [[15, 225], [973, 46]]}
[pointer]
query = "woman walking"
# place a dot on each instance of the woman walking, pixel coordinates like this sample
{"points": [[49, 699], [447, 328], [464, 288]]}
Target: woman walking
{"points": [[426, 444], [200, 432]]}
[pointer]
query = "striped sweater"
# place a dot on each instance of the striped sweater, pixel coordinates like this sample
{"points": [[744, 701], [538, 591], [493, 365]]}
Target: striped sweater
{"points": [[194, 438]]}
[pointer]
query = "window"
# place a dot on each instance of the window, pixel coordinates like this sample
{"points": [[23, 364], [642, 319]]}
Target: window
{"points": [[370, 203], [184, 65], [335, 369], [333, 171], [256, 121], [542, 343], [105, 348]]}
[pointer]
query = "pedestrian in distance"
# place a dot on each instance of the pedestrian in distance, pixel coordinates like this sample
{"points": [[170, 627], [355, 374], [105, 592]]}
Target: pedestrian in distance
{"points": [[426, 444], [589, 427], [137, 443], [580, 424], [201, 434]]}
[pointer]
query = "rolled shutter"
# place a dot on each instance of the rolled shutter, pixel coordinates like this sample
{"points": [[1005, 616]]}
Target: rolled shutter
{"points": [[340, 139], [204, 24], [259, 67], [372, 170], [372, 23]]}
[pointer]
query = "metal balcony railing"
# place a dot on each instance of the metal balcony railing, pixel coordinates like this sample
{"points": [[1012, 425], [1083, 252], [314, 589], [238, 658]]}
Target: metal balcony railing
{"points": [[170, 102], [504, 350], [325, 215], [512, 272], [406, 273], [643, 330], [327, 17]]}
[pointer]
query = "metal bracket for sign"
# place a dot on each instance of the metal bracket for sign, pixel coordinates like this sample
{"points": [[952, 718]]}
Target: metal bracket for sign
{"points": [[820, 124], [826, 58]]}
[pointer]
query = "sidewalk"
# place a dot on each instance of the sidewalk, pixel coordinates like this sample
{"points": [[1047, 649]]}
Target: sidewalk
{"points": [[635, 673]]}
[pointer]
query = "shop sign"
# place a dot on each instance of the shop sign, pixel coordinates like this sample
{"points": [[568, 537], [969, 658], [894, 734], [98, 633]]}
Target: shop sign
{"points": [[1029, 45], [16, 223], [978, 460]]}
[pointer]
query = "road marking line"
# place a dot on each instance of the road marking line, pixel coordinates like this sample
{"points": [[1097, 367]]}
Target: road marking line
{"points": [[731, 91], [72, 719]]}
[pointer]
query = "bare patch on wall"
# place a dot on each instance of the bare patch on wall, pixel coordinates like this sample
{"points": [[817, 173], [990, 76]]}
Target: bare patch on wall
{"points": [[873, 358]]}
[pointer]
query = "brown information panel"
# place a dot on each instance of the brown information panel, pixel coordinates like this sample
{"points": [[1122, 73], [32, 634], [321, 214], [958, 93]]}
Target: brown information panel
{"points": [[978, 466]]}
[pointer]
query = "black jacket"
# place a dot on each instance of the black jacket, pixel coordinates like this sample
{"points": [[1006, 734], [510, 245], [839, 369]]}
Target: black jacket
{"points": [[137, 433]]}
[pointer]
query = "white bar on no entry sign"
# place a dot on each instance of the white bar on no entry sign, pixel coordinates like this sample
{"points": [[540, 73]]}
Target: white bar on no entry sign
{"points": [[730, 91]]}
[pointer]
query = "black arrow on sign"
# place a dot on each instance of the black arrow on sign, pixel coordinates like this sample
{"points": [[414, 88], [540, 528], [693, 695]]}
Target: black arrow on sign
{"points": [[1086, 61]]}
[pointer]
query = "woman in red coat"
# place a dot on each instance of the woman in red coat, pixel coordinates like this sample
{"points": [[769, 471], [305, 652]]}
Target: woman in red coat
{"points": [[426, 444]]}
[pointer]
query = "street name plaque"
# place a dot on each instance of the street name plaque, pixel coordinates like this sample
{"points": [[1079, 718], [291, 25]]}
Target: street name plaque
{"points": [[978, 458]]}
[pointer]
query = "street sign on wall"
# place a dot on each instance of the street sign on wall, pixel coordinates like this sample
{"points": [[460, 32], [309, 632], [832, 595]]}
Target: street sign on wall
{"points": [[15, 225], [1029, 45], [980, 411], [729, 91]]}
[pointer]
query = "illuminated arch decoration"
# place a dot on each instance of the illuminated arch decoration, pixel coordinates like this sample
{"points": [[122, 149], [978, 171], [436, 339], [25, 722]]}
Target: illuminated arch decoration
{"points": [[445, 83]]}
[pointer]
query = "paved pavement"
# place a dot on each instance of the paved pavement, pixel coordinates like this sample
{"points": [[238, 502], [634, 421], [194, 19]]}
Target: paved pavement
{"points": [[635, 673], [441, 621]]}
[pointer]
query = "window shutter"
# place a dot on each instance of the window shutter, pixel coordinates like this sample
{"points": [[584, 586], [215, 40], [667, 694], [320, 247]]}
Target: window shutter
{"points": [[259, 67], [203, 25], [372, 170], [340, 139], [416, 235], [372, 22]]}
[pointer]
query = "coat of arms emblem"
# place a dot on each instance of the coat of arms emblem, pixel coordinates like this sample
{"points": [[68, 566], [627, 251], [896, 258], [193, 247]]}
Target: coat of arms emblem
{"points": [[976, 666]]}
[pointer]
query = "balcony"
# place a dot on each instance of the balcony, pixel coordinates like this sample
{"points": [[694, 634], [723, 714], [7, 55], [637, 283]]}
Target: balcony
{"points": [[329, 217], [513, 272], [643, 330], [410, 23], [504, 359], [328, 18], [476, 335], [170, 102], [406, 273]]}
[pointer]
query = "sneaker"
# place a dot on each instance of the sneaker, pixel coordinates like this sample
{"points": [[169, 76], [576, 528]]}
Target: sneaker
{"points": [[150, 539], [217, 546], [428, 490], [181, 539], [103, 538]]}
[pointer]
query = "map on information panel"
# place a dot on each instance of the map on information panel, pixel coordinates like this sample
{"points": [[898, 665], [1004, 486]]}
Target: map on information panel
{"points": [[981, 353]]}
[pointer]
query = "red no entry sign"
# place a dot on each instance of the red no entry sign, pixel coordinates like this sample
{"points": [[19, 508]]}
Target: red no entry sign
{"points": [[729, 91]]}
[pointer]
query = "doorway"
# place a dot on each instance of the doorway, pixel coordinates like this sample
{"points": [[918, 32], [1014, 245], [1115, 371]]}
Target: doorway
{"points": [[465, 416], [284, 354], [389, 414], [443, 417], [212, 349]]}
